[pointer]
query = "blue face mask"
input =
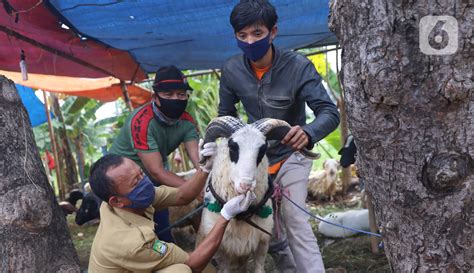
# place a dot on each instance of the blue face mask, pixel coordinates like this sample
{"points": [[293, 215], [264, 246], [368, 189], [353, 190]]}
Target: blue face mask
{"points": [[142, 195], [257, 50]]}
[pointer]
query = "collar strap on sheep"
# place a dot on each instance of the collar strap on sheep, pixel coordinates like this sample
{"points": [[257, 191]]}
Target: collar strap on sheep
{"points": [[216, 207], [260, 209]]}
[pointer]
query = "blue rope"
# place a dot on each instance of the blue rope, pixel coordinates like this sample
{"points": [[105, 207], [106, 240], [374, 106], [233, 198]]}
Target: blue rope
{"points": [[334, 224]]}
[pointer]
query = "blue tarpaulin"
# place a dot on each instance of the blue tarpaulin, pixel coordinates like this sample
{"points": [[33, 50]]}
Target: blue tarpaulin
{"points": [[34, 107], [191, 34]]}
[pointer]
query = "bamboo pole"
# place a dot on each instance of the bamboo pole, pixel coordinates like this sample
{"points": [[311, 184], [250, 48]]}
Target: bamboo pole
{"points": [[184, 157], [346, 172], [54, 147], [126, 96], [217, 74]]}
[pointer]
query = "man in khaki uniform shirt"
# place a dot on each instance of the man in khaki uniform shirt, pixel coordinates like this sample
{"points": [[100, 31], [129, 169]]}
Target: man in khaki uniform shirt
{"points": [[125, 240]]}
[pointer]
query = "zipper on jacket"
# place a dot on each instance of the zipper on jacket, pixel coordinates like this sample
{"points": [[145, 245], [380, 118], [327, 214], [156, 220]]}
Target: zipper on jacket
{"points": [[260, 95]]}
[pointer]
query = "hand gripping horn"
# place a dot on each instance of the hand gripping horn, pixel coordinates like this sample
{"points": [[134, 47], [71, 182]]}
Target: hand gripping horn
{"points": [[276, 129], [221, 127]]}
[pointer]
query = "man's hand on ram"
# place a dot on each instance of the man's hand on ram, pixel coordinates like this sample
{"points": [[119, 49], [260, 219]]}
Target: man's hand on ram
{"points": [[237, 205], [208, 151], [296, 138]]}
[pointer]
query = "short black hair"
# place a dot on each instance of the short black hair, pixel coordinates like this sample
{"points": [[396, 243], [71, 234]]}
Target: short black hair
{"points": [[100, 183], [251, 12]]}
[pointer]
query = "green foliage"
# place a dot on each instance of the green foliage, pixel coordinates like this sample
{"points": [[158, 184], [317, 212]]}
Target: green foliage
{"points": [[43, 142], [82, 126], [204, 100], [334, 139]]}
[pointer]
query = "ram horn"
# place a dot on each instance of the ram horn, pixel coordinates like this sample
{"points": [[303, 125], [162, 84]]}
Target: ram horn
{"points": [[221, 127], [276, 129]]}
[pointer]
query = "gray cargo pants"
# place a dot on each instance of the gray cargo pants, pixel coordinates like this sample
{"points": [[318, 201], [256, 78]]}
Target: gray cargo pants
{"points": [[297, 248]]}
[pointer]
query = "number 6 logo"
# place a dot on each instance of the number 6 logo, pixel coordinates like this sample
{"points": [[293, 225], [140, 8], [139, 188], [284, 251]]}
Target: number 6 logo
{"points": [[438, 35]]}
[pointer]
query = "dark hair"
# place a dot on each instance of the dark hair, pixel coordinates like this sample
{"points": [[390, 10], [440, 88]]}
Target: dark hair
{"points": [[250, 12], [100, 183]]}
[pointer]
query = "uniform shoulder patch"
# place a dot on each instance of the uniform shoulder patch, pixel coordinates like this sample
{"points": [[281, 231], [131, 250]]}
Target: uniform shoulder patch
{"points": [[160, 247]]}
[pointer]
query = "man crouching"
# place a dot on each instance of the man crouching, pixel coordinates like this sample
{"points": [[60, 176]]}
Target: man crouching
{"points": [[125, 240]]}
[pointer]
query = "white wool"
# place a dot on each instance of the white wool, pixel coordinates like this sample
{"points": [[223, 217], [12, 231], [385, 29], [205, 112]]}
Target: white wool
{"points": [[324, 182], [187, 175], [358, 219], [240, 240]]}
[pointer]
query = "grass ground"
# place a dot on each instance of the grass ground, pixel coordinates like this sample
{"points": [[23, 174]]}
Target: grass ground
{"points": [[343, 255]]}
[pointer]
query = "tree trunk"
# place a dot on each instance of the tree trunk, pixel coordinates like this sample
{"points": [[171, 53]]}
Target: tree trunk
{"points": [[411, 115], [33, 231], [68, 163]]}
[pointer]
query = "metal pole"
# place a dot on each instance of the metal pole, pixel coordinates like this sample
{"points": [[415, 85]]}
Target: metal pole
{"points": [[54, 147]]}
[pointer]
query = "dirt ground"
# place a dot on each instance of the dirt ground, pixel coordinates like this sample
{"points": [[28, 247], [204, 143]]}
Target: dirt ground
{"points": [[339, 255]]}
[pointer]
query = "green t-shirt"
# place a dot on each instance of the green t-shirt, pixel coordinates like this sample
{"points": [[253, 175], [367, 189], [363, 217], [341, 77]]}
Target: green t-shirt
{"points": [[142, 133]]}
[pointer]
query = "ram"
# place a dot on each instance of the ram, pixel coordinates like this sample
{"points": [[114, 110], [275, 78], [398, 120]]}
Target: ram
{"points": [[240, 165]]}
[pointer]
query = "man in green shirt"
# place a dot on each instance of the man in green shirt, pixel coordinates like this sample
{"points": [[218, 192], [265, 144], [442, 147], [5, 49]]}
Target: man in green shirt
{"points": [[156, 129]]}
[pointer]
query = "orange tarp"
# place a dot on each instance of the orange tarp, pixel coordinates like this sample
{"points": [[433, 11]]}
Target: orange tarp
{"points": [[103, 89]]}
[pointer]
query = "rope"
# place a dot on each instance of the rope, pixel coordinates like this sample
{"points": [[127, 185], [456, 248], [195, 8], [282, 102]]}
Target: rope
{"points": [[277, 196], [334, 224], [160, 232]]}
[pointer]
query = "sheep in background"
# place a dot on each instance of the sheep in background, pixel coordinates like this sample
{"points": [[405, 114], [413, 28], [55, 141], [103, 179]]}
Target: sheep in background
{"points": [[358, 219], [178, 212], [240, 166], [68, 206], [324, 182], [89, 209]]}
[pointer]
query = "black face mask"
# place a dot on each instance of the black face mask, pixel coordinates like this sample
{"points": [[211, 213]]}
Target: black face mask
{"points": [[172, 108]]}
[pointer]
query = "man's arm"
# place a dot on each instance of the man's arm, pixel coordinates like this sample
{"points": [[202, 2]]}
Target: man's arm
{"points": [[227, 98], [189, 191], [200, 257], [153, 163], [326, 114], [192, 149]]}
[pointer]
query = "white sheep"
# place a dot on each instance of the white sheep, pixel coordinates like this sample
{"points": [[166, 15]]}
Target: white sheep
{"points": [[358, 219], [324, 182], [240, 166], [178, 212]]}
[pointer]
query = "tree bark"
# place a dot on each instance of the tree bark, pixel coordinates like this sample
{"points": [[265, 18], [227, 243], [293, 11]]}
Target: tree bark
{"points": [[411, 115], [68, 163], [33, 231]]}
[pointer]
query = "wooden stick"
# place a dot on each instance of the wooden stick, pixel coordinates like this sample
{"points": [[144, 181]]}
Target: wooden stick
{"points": [[184, 157], [217, 74], [125, 95], [373, 225], [54, 147]]}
